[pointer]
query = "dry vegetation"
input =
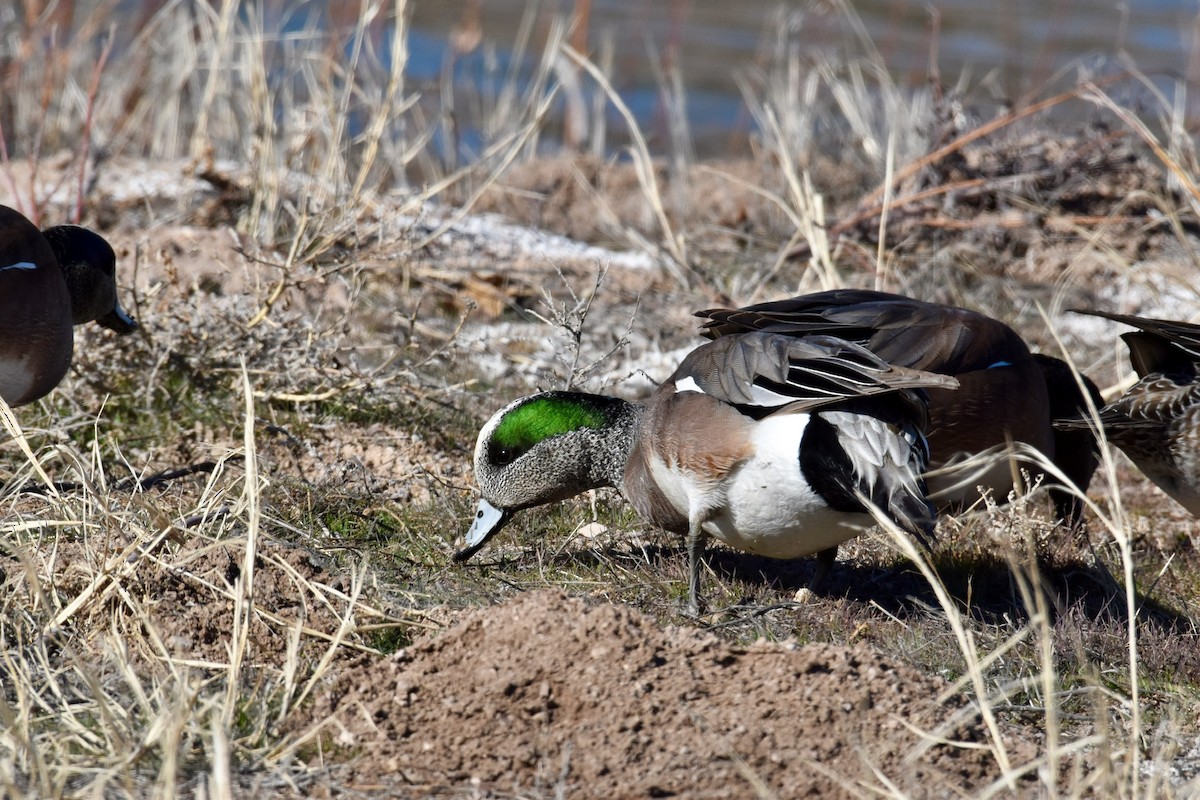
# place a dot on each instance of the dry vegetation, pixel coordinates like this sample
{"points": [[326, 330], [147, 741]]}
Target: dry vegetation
{"points": [[225, 542]]}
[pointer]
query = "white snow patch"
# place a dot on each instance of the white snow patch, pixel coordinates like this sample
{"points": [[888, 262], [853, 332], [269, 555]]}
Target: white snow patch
{"points": [[1141, 293], [496, 236], [1183, 768], [536, 350], [167, 181]]}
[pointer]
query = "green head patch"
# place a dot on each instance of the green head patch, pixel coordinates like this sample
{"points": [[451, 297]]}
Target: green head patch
{"points": [[543, 417]]}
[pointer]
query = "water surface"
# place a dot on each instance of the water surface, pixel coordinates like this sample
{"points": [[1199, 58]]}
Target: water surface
{"points": [[1005, 52]]}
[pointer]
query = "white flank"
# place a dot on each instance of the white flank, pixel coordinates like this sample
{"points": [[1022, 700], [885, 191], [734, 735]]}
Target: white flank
{"points": [[19, 265], [688, 384], [770, 509], [763, 506]]}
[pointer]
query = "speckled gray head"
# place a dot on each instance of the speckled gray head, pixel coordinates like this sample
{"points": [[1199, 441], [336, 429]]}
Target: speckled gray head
{"points": [[545, 448]]}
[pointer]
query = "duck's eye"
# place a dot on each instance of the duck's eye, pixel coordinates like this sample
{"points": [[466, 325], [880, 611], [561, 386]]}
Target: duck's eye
{"points": [[503, 455]]}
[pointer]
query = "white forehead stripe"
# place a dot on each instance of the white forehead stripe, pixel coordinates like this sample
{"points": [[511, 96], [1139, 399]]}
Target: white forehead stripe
{"points": [[20, 265]]}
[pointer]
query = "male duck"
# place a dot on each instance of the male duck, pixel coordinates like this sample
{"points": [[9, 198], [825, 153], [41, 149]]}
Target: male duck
{"points": [[1005, 393], [49, 281], [766, 442], [1157, 422]]}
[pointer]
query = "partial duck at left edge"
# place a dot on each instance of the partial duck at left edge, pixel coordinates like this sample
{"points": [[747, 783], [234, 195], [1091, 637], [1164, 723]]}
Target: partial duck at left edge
{"points": [[50, 281]]}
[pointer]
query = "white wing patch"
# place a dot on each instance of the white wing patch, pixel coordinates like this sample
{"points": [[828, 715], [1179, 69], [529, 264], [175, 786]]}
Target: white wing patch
{"points": [[764, 397], [759, 395], [20, 265]]}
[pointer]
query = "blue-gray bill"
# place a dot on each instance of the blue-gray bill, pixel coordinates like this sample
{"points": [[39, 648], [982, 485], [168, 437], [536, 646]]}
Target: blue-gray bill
{"points": [[488, 522], [119, 321]]}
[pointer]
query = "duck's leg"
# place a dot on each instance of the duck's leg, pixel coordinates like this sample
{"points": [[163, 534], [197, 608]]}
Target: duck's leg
{"points": [[825, 562], [696, 540], [1068, 510]]}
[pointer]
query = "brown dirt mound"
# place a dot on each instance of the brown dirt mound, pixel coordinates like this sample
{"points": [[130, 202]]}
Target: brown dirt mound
{"points": [[547, 694]]}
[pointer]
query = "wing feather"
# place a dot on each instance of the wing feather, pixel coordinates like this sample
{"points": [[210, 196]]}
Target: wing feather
{"points": [[773, 370]]}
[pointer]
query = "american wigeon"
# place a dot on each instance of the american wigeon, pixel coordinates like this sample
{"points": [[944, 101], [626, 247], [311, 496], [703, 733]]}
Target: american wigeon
{"points": [[766, 442], [1005, 393], [1157, 422], [50, 281]]}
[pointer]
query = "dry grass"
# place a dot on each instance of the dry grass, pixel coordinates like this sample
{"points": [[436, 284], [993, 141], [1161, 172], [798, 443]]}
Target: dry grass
{"points": [[268, 480]]}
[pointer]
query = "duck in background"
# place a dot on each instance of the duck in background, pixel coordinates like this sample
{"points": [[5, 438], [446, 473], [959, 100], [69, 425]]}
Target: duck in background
{"points": [[773, 444], [1157, 422], [1005, 393], [50, 281]]}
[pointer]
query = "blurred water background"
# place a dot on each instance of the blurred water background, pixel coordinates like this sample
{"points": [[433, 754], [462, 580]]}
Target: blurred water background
{"points": [[685, 69], [998, 54]]}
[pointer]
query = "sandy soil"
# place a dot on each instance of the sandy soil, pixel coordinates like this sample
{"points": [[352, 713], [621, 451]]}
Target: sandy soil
{"points": [[550, 694]]}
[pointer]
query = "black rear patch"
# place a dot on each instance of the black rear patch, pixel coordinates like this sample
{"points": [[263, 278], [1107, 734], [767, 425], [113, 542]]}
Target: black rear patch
{"points": [[826, 467]]}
